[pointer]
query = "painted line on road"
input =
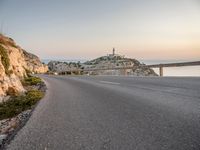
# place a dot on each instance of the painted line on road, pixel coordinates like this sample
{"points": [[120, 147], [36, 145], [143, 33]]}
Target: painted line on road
{"points": [[107, 82]]}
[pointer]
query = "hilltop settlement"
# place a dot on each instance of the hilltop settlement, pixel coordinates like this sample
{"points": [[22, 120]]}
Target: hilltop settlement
{"points": [[99, 65]]}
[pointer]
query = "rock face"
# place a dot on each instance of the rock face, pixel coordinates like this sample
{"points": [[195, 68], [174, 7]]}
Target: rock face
{"points": [[14, 64], [57, 66], [34, 64], [109, 61]]}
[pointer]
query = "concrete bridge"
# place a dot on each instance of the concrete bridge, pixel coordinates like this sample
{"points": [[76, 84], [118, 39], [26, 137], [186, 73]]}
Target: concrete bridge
{"points": [[124, 69]]}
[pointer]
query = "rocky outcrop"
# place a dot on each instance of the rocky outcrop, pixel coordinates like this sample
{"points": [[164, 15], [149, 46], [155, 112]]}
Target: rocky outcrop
{"points": [[57, 66], [109, 61], [34, 64], [14, 64]]}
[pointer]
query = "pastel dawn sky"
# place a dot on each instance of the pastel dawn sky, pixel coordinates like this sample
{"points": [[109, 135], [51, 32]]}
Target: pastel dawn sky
{"points": [[85, 29]]}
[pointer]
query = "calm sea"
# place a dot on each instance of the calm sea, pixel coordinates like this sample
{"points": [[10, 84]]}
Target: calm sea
{"points": [[173, 71]]}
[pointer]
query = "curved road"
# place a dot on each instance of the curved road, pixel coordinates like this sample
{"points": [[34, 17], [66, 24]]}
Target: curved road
{"points": [[114, 113]]}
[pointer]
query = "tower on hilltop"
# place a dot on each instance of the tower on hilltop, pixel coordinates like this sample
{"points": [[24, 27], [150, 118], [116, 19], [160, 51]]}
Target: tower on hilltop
{"points": [[113, 51]]}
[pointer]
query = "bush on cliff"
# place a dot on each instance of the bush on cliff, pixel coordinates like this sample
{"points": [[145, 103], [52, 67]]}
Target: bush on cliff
{"points": [[31, 81], [17, 104], [5, 59]]}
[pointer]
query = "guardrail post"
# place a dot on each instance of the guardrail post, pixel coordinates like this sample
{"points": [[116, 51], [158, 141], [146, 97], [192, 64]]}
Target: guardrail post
{"points": [[161, 70]]}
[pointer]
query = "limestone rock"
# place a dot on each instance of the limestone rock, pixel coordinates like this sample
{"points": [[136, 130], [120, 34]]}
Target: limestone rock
{"points": [[2, 138], [14, 64]]}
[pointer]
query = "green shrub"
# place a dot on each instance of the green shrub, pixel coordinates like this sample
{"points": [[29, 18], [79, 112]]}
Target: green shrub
{"points": [[34, 95], [5, 59], [31, 81], [16, 105]]}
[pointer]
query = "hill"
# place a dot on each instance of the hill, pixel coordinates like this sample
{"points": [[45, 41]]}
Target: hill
{"points": [[109, 61]]}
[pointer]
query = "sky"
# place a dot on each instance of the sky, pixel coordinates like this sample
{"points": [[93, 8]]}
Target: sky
{"points": [[86, 29]]}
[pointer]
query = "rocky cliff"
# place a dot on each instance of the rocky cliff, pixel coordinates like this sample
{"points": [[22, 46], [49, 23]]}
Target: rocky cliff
{"points": [[14, 65], [109, 61]]}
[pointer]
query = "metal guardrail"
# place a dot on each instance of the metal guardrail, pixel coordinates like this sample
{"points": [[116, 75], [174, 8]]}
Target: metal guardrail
{"points": [[194, 63]]}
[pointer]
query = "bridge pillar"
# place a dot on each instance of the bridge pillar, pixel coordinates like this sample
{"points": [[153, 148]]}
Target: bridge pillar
{"points": [[161, 70]]}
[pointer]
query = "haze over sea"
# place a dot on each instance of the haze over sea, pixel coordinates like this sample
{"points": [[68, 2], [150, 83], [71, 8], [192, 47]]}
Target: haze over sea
{"points": [[193, 71]]}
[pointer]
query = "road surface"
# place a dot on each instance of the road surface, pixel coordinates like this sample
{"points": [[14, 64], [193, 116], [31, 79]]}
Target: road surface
{"points": [[114, 113]]}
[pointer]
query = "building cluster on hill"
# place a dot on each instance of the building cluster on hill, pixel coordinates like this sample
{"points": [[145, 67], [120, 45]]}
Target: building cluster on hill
{"points": [[109, 61]]}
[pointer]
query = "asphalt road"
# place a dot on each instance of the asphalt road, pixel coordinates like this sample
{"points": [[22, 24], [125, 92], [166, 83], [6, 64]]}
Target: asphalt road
{"points": [[114, 113]]}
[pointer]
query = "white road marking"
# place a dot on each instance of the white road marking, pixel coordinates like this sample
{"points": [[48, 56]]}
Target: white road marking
{"points": [[107, 82]]}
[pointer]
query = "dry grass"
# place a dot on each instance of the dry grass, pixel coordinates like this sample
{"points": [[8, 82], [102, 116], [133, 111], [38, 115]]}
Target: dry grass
{"points": [[7, 41]]}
